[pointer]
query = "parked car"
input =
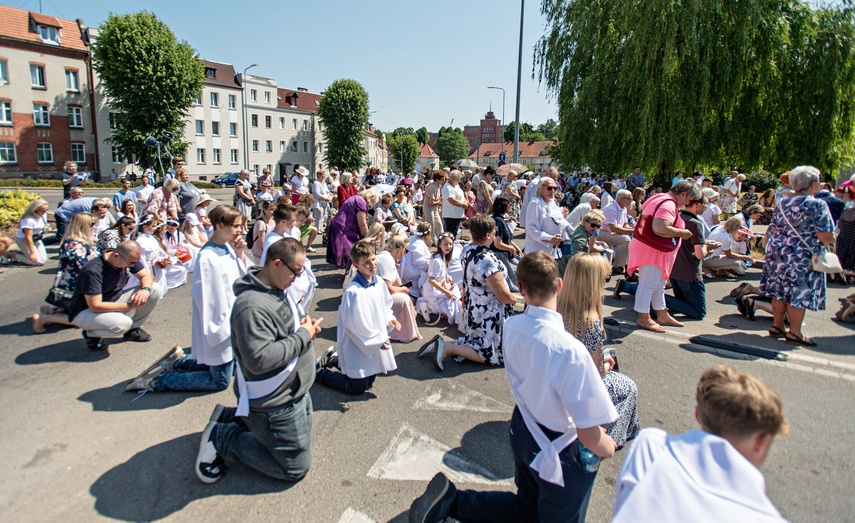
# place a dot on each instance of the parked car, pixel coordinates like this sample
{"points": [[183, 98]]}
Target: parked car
{"points": [[227, 180]]}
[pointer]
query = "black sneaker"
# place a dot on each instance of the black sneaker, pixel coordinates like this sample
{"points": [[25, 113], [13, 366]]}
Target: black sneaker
{"points": [[137, 334], [94, 344], [209, 465], [328, 359], [435, 503]]}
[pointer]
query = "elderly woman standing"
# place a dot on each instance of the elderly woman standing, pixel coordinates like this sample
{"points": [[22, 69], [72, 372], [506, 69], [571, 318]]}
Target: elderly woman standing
{"points": [[162, 203], [242, 199], [348, 226], [544, 220], [323, 197], [433, 202], [346, 190], [487, 301], [730, 193], [801, 226], [653, 264]]}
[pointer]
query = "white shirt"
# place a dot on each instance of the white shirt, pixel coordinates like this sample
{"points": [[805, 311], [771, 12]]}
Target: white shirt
{"points": [[605, 199], [720, 235], [31, 222], [544, 220], [319, 190], [144, 192], [456, 192], [415, 263], [695, 476], [530, 191], [614, 214], [300, 184], [552, 373], [578, 212], [363, 328], [712, 210]]}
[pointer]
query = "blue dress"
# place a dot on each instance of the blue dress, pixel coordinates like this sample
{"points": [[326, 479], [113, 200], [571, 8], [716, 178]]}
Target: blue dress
{"points": [[787, 274]]}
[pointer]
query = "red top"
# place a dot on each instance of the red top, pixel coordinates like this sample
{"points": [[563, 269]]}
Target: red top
{"points": [[344, 193]]}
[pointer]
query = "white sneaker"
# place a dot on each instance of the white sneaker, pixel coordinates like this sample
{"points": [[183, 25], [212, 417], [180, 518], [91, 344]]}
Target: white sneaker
{"points": [[209, 465], [424, 309], [143, 381]]}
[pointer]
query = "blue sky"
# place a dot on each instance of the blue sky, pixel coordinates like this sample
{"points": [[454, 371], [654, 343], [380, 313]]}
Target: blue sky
{"points": [[422, 63]]}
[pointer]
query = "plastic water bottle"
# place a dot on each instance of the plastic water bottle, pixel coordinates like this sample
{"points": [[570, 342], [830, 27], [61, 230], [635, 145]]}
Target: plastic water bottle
{"points": [[590, 461]]}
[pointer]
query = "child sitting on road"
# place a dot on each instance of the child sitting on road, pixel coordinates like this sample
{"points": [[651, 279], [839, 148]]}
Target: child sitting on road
{"points": [[364, 320], [304, 222], [440, 295]]}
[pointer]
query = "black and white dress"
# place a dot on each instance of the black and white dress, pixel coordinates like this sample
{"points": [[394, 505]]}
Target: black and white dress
{"points": [[483, 315], [622, 390]]}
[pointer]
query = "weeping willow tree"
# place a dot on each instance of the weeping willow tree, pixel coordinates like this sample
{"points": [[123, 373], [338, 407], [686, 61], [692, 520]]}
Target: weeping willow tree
{"points": [[681, 84]]}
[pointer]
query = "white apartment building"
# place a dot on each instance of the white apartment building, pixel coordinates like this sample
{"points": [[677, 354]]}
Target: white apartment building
{"points": [[376, 153]]}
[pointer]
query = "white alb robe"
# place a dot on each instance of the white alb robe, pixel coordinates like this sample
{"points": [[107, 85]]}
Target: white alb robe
{"points": [[363, 327]]}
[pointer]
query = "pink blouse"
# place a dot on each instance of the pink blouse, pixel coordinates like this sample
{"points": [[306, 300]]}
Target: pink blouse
{"points": [[641, 254]]}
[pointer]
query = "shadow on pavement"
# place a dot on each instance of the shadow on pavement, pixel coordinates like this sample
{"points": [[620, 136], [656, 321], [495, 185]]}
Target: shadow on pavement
{"points": [[327, 305], [74, 351], [115, 399], [487, 443], [325, 398], [160, 481]]}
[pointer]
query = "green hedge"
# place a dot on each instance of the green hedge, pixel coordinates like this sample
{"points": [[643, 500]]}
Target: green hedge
{"points": [[25, 182], [12, 206]]}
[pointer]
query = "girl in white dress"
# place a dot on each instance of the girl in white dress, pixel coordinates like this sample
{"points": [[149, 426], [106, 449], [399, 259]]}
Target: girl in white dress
{"points": [[157, 260], [414, 266], [440, 295]]}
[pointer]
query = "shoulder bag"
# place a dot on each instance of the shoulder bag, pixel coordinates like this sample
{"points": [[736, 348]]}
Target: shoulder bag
{"points": [[644, 231], [824, 262]]}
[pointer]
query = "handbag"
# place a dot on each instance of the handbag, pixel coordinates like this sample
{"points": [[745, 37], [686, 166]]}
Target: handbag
{"points": [[59, 297], [824, 262], [643, 231]]}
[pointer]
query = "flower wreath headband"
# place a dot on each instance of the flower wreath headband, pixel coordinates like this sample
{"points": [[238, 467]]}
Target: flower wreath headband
{"points": [[419, 234], [445, 235]]}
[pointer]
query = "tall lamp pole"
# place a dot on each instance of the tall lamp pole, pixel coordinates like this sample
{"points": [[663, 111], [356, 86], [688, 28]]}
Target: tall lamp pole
{"points": [[503, 116], [243, 105], [519, 83]]}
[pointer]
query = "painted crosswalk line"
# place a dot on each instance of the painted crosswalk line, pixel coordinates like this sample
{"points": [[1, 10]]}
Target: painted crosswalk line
{"points": [[452, 396], [412, 455], [354, 516]]}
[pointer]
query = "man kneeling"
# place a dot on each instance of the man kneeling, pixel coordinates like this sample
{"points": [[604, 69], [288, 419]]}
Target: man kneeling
{"points": [[271, 429]]}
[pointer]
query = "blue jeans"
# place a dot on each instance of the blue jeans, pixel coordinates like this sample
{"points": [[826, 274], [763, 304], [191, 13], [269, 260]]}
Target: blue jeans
{"points": [[689, 298], [191, 375], [536, 499], [277, 443], [338, 381]]}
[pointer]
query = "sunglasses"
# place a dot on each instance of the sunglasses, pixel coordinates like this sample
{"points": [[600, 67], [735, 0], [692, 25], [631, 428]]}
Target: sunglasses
{"points": [[551, 187], [595, 225]]}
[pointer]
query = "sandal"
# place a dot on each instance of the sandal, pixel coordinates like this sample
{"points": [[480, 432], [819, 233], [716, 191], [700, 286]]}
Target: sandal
{"points": [[775, 332], [428, 347], [749, 308], [795, 340], [739, 290], [740, 304], [652, 327]]}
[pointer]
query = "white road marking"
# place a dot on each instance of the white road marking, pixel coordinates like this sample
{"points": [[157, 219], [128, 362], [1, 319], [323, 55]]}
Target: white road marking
{"points": [[354, 516], [412, 455], [451, 396]]}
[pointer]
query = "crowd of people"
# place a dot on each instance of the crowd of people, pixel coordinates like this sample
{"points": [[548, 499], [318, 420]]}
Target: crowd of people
{"points": [[441, 245]]}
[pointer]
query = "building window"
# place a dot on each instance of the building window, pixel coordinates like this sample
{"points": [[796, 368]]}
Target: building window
{"points": [[4, 72], [116, 153], [215, 128], [198, 100], [37, 76], [305, 147], [78, 153], [50, 35], [216, 156], [270, 167], [234, 155], [44, 151], [282, 146], [8, 153], [255, 146], [232, 129], [112, 118], [200, 127], [41, 116], [75, 117], [267, 97], [210, 72], [215, 99], [200, 156], [255, 169], [268, 146], [281, 122], [254, 119], [72, 81], [294, 123], [268, 122], [232, 101], [294, 147], [253, 95], [6, 113], [305, 125]]}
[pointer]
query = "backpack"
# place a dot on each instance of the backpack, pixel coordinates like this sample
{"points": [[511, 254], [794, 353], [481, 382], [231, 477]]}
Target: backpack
{"points": [[250, 237]]}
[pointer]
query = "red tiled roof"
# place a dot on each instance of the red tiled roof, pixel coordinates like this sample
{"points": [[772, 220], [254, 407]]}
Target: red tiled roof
{"points": [[306, 101], [15, 23], [426, 151], [527, 149], [224, 74]]}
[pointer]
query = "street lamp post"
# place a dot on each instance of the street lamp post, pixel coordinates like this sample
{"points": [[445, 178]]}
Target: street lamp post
{"points": [[243, 106], [503, 116], [519, 83]]}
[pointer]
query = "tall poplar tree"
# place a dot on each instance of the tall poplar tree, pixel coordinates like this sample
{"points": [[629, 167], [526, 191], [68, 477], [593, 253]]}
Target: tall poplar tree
{"points": [[344, 111]]}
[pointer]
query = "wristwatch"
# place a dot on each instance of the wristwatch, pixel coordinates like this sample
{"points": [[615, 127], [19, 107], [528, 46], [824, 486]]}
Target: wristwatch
{"points": [[147, 289]]}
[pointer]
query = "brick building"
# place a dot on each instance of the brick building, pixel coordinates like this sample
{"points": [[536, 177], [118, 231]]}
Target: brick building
{"points": [[45, 97], [490, 130], [533, 154]]}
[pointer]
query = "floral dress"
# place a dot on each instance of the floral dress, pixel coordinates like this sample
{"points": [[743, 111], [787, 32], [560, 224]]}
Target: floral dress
{"points": [[622, 390], [845, 248], [787, 274], [483, 316], [108, 240], [73, 255]]}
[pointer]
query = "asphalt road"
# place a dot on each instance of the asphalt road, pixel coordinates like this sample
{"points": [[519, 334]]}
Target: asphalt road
{"points": [[76, 447]]}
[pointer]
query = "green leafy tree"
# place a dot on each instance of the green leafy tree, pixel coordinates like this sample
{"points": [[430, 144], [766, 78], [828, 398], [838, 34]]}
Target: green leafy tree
{"points": [[549, 129], [343, 111], [404, 148], [527, 133], [451, 146], [378, 133], [422, 135], [767, 83], [151, 78]]}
